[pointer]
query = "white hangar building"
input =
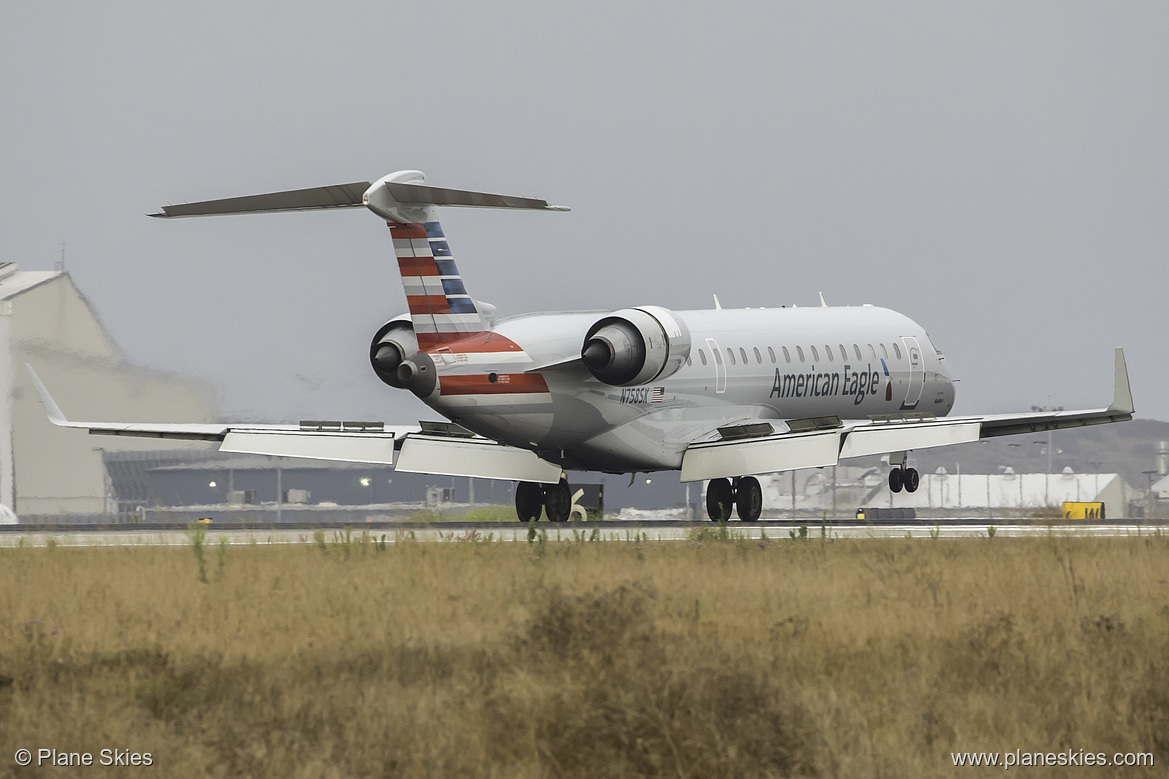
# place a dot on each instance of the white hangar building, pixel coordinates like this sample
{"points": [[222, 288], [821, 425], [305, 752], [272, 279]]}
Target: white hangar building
{"points": [[46, 471]]}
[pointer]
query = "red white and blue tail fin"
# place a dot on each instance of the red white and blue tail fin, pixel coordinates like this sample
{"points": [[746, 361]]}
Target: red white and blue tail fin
{"points": [[440, 308]]}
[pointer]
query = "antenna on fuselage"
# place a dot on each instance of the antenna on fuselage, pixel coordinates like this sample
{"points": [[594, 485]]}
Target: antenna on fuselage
{"points": [[823, 303], [717, 306]]}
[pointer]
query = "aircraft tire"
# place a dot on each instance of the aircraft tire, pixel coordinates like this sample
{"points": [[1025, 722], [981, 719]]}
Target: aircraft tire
{"points": [[749, 499], [529, 501], [911, 478], [895, 480], [720, 497], [558, 501]]}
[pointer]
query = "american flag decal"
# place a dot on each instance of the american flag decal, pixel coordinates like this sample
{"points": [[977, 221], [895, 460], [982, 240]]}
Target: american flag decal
{"points": [[658, 395]]}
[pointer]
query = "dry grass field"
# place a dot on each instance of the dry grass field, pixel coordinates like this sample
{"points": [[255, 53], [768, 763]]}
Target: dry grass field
{"points": [[713, 657]]}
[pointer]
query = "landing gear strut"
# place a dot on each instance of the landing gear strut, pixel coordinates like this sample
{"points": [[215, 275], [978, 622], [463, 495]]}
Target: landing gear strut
{"points": [[555, 500]]}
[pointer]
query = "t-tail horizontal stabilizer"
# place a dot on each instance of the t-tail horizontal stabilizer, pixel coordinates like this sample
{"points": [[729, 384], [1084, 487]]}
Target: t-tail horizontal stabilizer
{"points": [[399, 197]]}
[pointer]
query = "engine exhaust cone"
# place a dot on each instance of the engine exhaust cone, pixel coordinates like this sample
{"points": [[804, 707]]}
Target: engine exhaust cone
{"points": [[388, 358], [597, 354], [417, 374]]}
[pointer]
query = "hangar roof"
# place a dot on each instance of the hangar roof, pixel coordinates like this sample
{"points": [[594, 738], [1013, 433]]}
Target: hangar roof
{"points": [[14, 281]]}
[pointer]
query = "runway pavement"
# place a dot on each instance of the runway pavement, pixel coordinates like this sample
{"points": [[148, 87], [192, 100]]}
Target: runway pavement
{"points": [[510, 532]]}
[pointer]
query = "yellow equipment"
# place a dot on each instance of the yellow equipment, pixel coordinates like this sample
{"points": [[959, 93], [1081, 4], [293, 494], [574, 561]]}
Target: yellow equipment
{"points": [[1078, 510]]}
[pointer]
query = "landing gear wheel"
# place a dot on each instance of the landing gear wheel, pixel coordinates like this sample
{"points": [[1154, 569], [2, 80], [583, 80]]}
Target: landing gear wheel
{"points": [[749, 499], [529, 501], [910, 479], [895, 481], [558, 501], [719, 499]]}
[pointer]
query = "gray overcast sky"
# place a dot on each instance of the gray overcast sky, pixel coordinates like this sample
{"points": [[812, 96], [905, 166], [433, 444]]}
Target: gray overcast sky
{"points": [[997, 171]]}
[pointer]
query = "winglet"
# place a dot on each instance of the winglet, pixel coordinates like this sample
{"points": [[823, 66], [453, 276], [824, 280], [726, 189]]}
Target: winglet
{"points": [[1121, 392], [51, 407]]}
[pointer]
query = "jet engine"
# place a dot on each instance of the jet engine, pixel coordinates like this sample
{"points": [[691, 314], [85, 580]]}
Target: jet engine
{"points": [[394, 342], [636, 346]]}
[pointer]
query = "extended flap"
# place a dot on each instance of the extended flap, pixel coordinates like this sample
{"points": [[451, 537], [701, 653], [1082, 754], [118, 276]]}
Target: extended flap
{"points": [[479, 458], [883, 439], [770, 454], [353, 448]]}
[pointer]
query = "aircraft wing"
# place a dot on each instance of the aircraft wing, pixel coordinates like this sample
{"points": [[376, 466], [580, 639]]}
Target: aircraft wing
{"points": [[362, 442], [754, 446], [432, 447]]}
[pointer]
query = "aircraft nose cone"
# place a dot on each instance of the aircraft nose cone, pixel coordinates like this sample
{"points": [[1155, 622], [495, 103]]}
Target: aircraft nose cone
{"points": [[597, 354]]}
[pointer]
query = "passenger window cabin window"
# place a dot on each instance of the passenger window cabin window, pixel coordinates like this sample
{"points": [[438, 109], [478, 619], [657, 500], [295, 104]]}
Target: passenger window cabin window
{"points": [[897, 350], [731, 355], [872, 352], [702, 356], [828, 350], [771, 354], [884, 351], [743, 354], [718, 358], [800, 353], [815, 355], [843, 352], [787, 357], [758, 356], [857, 351]]}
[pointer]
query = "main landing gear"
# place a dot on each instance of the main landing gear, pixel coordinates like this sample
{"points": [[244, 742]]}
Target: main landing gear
{"points": [[744, 494], [903, 477], [554, 499]]}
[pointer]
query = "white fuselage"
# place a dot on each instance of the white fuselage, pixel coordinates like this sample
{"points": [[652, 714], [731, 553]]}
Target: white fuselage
{"points": [[743, 365]]}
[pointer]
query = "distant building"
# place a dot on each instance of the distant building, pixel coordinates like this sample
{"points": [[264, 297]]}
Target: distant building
{"points": [[1015, 491], [49, 471], [842, 490]]}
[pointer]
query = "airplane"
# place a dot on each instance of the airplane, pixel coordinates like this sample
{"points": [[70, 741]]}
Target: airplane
{"points": [[720, 395]]}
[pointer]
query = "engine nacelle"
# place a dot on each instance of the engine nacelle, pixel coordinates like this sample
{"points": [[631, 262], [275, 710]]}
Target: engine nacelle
{"points": [[636, 346], [393, 342]]}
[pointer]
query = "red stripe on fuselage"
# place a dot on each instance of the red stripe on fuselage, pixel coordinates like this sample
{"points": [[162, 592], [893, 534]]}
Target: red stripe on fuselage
{"points": [[504, 384], [485, 342], [482, 342]]}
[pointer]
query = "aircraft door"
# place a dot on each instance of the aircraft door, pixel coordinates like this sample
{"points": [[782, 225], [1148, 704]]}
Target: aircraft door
{"points": [[916, 372], [720, 368]]}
